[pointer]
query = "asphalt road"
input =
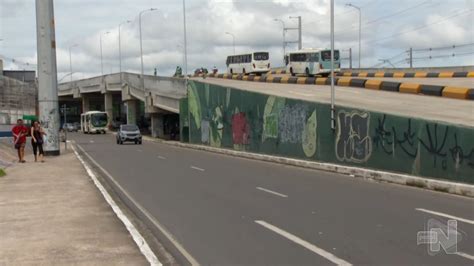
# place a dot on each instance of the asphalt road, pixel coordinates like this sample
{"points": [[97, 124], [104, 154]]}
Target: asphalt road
{"points": [[231, 211], [421, 106]]}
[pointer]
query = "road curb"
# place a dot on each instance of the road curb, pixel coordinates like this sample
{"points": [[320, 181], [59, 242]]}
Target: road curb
{"points": [[370, 174]]}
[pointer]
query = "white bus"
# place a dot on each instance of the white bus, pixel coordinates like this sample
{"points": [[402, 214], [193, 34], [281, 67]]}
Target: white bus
{"points": [[312, 62], [94, 122], [253, 63]]}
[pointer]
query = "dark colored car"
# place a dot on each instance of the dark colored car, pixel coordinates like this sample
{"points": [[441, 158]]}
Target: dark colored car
{"points": [[129, 133]]}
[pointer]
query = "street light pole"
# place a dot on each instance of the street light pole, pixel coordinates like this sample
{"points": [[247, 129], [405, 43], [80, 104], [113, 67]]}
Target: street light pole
{"points": [[185, 44], [233, 39], [284, 41], [70, 59], [333, 93], [360, 29], [101, 53], [120, 50], [141, 43]]}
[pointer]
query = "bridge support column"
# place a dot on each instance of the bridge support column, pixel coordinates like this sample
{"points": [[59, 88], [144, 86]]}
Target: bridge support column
{"points": [[157, 126], [132, 110], [85, 103], [109, 107]]}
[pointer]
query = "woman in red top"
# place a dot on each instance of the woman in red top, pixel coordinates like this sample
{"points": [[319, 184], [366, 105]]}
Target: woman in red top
{"points": [[20, 132]]}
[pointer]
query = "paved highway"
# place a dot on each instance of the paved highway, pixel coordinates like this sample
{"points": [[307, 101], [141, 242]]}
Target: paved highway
{"points": [[228, 211], [421, 106]]}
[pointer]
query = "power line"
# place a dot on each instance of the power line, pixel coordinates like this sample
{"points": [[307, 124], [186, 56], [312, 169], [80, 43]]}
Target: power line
{"points": [[443, 48], [441, 56], [465, 12]]}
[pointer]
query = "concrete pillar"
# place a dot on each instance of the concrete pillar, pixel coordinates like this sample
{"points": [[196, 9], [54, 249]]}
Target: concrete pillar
{"points": [[132, 110], [109, 107], [157, 125], [85, 103]]}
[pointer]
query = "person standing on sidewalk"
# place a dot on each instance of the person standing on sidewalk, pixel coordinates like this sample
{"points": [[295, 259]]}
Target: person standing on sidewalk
{"points": [[19, 139], [37, 140]]}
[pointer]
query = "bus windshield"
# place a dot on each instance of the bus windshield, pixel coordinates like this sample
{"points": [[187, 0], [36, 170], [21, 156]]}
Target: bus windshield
{"points": [[99, 120], [326, 55], [260, 56]]}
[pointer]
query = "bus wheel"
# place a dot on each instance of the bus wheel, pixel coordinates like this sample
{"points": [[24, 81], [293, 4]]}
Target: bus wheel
{"points": [[231, 71], [243, 72], [307, 72], [291, 72]]}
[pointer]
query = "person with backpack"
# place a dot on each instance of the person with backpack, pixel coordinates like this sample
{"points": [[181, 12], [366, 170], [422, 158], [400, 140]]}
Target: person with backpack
{"points": [[37, 140]]}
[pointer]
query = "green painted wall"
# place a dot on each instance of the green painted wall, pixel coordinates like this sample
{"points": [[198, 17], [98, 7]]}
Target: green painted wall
{"points": [[248, 121]]}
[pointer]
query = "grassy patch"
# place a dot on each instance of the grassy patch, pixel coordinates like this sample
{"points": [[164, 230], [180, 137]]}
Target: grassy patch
{"points": [[2, 173]]}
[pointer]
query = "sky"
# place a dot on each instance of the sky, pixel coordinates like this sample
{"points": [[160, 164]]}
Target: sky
{"points": [[389, 29]]}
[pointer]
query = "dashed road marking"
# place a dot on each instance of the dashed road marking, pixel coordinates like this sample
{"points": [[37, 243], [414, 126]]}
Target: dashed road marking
{"points": [[329, 256], [446, 215], [161, 157], [272, 192], [197, 168]]}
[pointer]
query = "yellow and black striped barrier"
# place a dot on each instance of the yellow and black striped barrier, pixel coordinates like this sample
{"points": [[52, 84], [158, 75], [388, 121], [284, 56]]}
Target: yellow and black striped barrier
{"points": [[407, 74], [346, 81]]}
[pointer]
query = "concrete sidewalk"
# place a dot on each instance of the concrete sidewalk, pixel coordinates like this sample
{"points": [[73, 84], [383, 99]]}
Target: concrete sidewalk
{"points": [[51, 213]]}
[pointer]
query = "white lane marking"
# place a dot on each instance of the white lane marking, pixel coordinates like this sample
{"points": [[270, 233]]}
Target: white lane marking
{"points": [[91, 141], [304, 243], [162, 157], [197, 168], [446, 215], [150, 217], [139, 150], [137, 237], [272, 192], [464, 255], [303, 94]]}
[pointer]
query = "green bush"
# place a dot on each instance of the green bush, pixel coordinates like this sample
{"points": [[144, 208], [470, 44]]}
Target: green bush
{"points": [[2, 172]]}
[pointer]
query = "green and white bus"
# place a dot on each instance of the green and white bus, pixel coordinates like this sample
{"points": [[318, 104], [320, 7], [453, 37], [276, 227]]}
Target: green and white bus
{"points": [[94, 122], [312, 62]]}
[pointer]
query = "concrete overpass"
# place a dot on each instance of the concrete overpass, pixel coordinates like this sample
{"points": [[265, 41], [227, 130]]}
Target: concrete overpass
{"points": [[159, 95]]}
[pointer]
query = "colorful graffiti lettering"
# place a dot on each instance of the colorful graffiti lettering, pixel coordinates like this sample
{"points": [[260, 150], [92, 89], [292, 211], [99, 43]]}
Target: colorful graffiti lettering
{"points": [[291, 123], [240, 129]]}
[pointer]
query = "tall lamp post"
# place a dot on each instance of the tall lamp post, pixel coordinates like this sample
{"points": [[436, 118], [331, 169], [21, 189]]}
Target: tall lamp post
{"points": [[284, 41], [70, 60], [185, 44], [101, 53], [360, 29], [233, 39], [141, 43], [333, 92], [120, 49]]}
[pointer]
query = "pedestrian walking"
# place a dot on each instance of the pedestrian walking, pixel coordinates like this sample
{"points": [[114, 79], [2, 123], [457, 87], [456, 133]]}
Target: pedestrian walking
{"points": [[20, 131], [37, 140]]}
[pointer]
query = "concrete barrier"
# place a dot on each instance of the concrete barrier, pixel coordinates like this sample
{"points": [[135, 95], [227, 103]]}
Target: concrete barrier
{"points": [[455, 92], [373, 84], [358, 83], [433, 90], [390, 86], [410, 88], [321, 81], [253, 122], [344, 82]]}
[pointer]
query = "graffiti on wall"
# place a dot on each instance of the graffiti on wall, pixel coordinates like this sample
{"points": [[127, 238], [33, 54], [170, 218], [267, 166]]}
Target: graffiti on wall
{"points": [[404, 140], [353, 142], [270, 117], [309, 135], [291, 122], [240, 129]]}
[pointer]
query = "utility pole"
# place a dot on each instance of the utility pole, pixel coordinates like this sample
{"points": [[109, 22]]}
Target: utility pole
{"points": [[47, 75], [350, 58], [411, 57], [64, 110], [300, 32]]}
